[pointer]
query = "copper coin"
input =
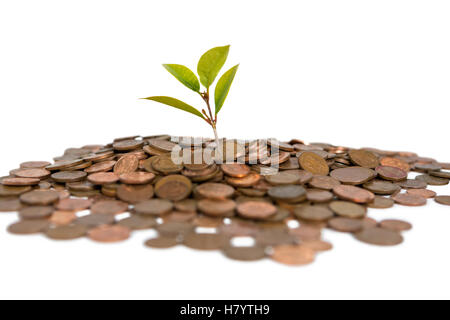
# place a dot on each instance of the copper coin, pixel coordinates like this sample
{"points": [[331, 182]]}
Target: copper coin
{"points": [[313, 163], [103, 178], [303, 176], [256, 210], [162, 145], [138, 222], [69, 176], [252, 253], [28, 226], [108, 233], [174, 228], [409, 200], [440, 174], [126, 145], [319, 196], [425, 167], [109, 207], [207, 222], [80, 186], [445, 200], [288, 193], [6, 191], [306, 233], [34, 164], [153, 207], [217, 208], [165, 165], [186, 205], [293, 254], [379, 236], [94, 220], [353, 175], [137, 178], [395, 225], [66, 232], [162, 242], [9, 205], [73, 204], [135, 193], [382, 187], [433, 181], [412, 184], [64, 164], [354, 194], [36, 212], [173, 187], [318, 245], [78, 167], [391, 173], [313, 213], [348, 209], [103, 166], [20, 181], [250, 180], [369, 223], [292, 163], [204, 241], [281, 178], [424, 193], [62, 218], [363, 158], [324, 182], [32, 173], [99, 156], [346, 224], [40, 197], [126, 164], [381, 203], [394, 162], [213, 190]]}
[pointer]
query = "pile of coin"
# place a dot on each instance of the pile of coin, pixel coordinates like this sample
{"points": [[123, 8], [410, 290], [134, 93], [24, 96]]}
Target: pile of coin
{"points": [[106, 192]]}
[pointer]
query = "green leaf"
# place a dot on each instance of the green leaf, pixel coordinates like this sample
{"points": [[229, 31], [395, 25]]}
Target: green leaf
{"points": [[184, 75], [176, 104], [210, 64], [223, 86]]}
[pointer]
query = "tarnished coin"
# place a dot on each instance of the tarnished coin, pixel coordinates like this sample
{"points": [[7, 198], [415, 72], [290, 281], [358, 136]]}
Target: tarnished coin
{"points": [[64, 164], [250, 180], [324, 182], [433, 181], [34, 164], [138, 222], [303, 176], [162, 242], [7, 191], [69, 176], [319, 196], [391, 173], [204, 241], [379, 236], [126, 164], [62, 218], [445, 200], [381, 203], [382, 187], [282, 177], [425, 167], [29, 226], [135, 193], [213, 190], [32, 173], [353, 175], [313, 163], [126, 145], [363, 158], [94, 220], [162, 145], [406, 199], [252, 253], [346, 224], [217, 208], [173, 187], [112, 207], [175, 228], [288, 193], [394, 162], [109, 233], [293, 254], [440, 174], [73, 204], [153, 207], [186, 205], [165, 165], [36, 212], [10, 204], [395, 225], [354, 194], [80, 186], [103, 178], [256, 210], [40, 197], [103, 166], [313, 213], [412, 184], [137, 177], [348, 209], [424, 193], [306, 233], [68, 232], [290, 164], [20, 181]]}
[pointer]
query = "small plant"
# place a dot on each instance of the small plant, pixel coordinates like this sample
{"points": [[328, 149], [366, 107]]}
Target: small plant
{"points": [[208, 68]]}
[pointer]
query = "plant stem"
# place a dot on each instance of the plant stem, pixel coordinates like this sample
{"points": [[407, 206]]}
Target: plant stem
{"points": [[212, 121]]}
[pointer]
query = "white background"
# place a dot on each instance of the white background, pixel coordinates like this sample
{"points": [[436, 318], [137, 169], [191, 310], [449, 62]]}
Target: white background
{"points": [[356, 73]]}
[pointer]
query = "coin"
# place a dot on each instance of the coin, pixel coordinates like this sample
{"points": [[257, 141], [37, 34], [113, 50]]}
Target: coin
{"points": [[443, 200], [256, 210], [9, 205], [250, 180], [32, 173], [395, 225], [80, 186], [391, 173], [162, 242], [108, 233], [135, 193], [412, 184], [217, 208], [137, 177], [317, 245], [306, 233], [379, 236], [381, 203], [394, 162], [424, 193], [103, 166], [173, 187], [64, 164], [313, 213], [382, 187], [204, 241], [293, 254], [346, 224], [353, 175], [440, 174], [153, 207], [363, 158], [6, 191], [34, 164], [313, 163], [319, 196], [126, 164], [213, 190], [62, 218], [354, 194], [20, 181], [409, 200], [68, 232], [288, 193], [40, 197], [252, 253], [433, 181], [36, 212], [175, 228], [73, 204], [125, 145], [103, 178], [324, 182], [138, 222], [28, 226], [69, 176], [94, 220], [282, 177], [162, 145], [348, 209], [109, 207]]}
